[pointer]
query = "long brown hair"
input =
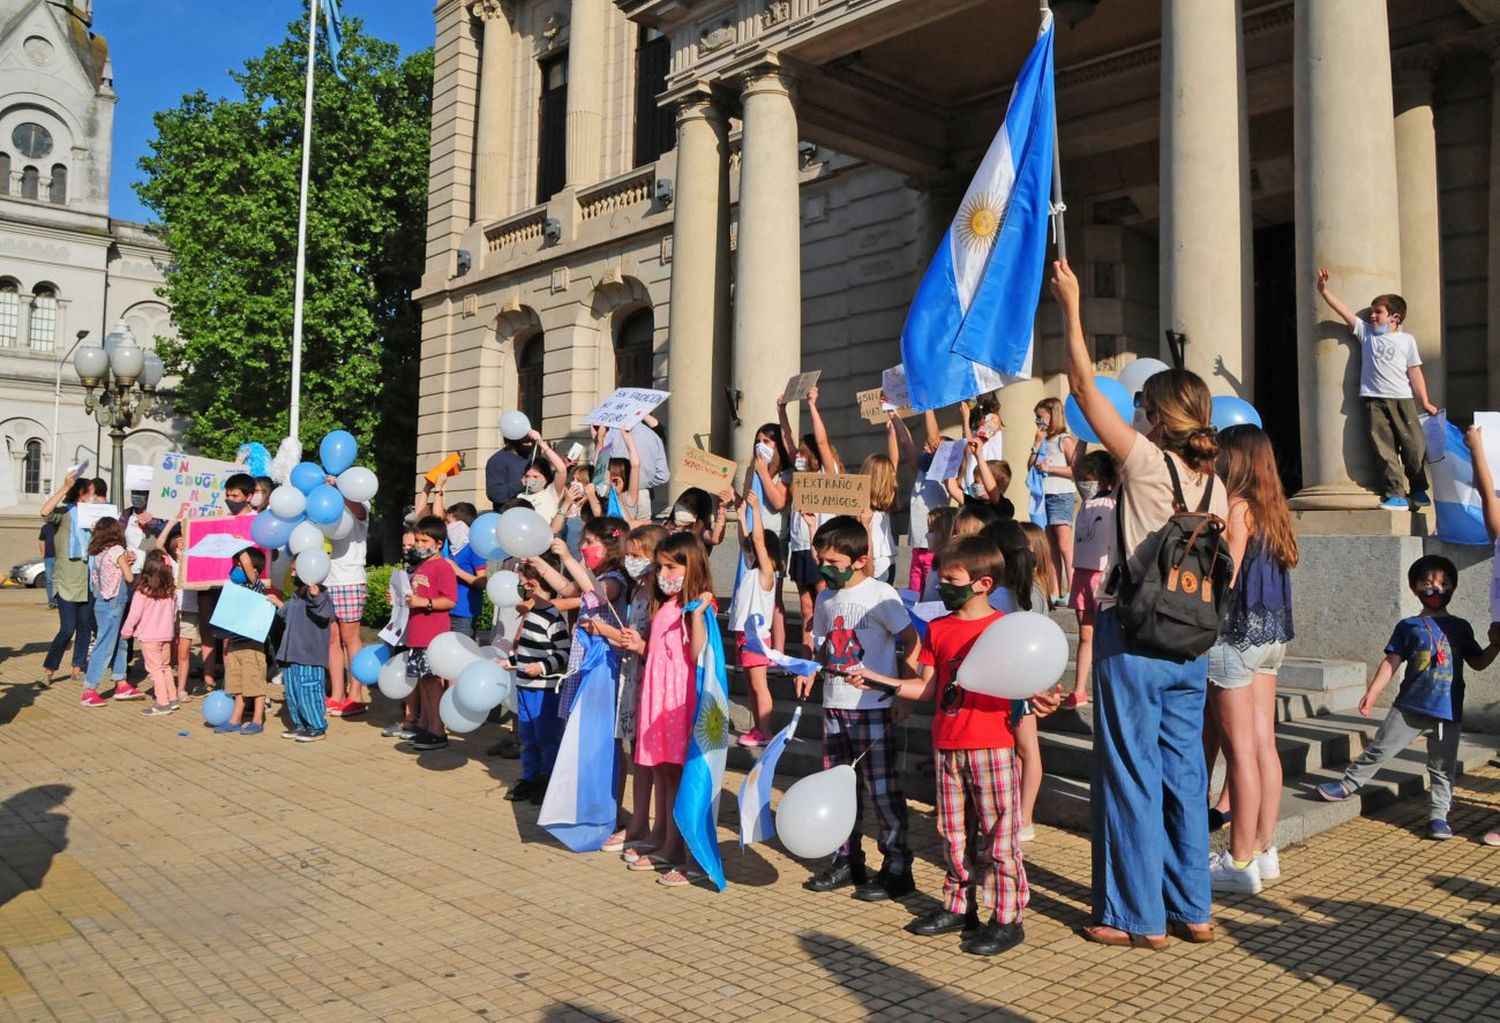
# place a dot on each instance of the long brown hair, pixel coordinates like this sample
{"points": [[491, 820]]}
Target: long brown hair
{"points": [[687, 550], [1247, 464], [1041, 550], [1056, 423], [1180, 403], [107, 533], [155, 577], [882, 475]]}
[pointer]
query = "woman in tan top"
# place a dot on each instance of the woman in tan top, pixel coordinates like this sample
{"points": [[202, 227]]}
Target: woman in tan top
{"points": [[1150, 834]]}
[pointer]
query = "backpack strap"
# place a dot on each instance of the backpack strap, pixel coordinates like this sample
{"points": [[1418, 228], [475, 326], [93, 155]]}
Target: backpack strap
{"points": [[1178, 500], [1124, 563]]}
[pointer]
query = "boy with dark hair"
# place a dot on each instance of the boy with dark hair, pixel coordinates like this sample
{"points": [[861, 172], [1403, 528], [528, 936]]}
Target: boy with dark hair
{"points": [[434, 591], [858, 622], [1435, 646], [238, 489], [244, 658]]}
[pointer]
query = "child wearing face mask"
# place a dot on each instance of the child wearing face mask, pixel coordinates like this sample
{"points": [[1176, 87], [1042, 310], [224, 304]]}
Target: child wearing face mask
{"points": [[598, 578], [1097, 475], [816, 454], [754, 606], [1435, 646], [433, 594], [543, 483]]}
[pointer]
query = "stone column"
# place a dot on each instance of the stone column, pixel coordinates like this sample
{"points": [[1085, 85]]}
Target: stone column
{"points": [[1492, 333], [492, 131], [768, 263], [586, 25], [1343, 117], [698, 356], [1417, 196], [1206, 263]]}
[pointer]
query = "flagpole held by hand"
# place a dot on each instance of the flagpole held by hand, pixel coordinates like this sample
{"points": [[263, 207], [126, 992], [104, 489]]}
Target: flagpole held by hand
{"points": [[1059, 228]]}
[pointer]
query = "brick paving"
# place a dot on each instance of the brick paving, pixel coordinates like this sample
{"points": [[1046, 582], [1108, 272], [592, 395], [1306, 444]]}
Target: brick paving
{"points": [[150, 875]]}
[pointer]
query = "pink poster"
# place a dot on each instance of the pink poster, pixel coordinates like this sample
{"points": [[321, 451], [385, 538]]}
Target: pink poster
{"points": [[197, 572]]}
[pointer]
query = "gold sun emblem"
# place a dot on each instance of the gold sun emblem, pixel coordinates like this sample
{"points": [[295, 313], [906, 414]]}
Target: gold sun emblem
{"points": [[979, 221]]}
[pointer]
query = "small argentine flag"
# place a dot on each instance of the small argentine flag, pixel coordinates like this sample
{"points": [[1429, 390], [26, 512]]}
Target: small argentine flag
{"points": [[970, 326], [1459, 507], [757, 822]]}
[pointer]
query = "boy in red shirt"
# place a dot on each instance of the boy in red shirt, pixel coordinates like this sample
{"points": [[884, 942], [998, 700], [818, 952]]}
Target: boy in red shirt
{"points": [[434, 592], [976, 758]]}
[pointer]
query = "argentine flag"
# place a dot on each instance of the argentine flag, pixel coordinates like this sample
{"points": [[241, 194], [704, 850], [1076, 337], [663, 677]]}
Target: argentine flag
{"points": [[697, 808], [754, 642], [969, 329], [757, 822], [1459, 507], [580, 809]]}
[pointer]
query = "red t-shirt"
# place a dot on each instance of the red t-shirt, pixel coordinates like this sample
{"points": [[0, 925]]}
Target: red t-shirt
{"points": [[972, 721], [432, 578]]}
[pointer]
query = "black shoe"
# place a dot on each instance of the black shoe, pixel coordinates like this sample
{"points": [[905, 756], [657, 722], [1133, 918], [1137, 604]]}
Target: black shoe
{"points": [[883, 887], [519, 791], [994, 938], [841, 873], [942, 921], [538, 790], [428, 740], [505, 749]]}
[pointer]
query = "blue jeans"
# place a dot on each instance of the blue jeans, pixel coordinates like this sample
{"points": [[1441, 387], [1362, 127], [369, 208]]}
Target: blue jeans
{"points": [[51, 566], [1150, 833], [75, 622], [540, 731], [109, 645]]}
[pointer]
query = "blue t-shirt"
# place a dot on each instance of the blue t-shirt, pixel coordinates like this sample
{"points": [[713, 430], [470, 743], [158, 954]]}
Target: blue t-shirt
{"points": [[1434, 650], [469, 601]]}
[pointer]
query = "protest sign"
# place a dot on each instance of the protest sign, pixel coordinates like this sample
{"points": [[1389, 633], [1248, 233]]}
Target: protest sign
{"points": [[625, 407], [823, 494], [893, 383], [86, 515], [244, 612], [138, 477], [799, 385], [203, 572], [873, 408], [188, 487], [220, 545], [946, 461], [699, 468]]}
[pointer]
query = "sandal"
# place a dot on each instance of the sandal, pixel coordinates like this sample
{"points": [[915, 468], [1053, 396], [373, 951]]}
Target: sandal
{"points": [[1197, 934], [681, 877], [1101, 934], [636, 850], [614, 843], [649, 861]]}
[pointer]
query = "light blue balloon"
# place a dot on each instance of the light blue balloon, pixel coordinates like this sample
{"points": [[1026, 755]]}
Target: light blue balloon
{"points": [[325, 505], [483, 538], [1232, 411], [270, 530], [368, 662], [1121, 399], [306, 476], [338, 451], [217, 707]]}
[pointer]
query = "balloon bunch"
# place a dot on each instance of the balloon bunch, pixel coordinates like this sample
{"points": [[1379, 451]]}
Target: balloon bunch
{"points": [[518, 533], [1228, 410], [482, 682], [306, 510]]}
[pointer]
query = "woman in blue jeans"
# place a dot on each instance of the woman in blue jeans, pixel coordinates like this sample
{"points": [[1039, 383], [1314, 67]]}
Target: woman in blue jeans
{"points": [[1150, 832], [75, 611], [110, 577]]}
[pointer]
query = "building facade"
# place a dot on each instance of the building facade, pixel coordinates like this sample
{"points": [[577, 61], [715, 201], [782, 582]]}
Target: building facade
{"points": [[66, 267]]}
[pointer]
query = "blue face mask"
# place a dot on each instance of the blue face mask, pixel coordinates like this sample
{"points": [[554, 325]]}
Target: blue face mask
{"points": [[1379, 328], [238, 577]]}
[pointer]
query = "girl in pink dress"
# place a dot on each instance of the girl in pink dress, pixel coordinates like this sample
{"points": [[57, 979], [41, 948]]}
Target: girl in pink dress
{"points": [[667, 687]]}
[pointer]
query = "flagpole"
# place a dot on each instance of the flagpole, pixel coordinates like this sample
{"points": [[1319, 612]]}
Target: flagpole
{"points": [[293, 429], [1059, 229]]}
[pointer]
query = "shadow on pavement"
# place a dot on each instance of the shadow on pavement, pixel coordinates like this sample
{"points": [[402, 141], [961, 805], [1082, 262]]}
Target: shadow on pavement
{"points": [[30, 836], [16, 698]]}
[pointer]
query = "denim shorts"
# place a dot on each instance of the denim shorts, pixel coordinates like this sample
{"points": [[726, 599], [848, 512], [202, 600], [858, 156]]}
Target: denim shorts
{"points": [[1230, 667], [1060, 509]]}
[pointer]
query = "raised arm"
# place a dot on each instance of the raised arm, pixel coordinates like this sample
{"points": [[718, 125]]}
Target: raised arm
{"points": [[166, 531], [826, 454], [930, 427], [982, 471], [50, 505], [898, 442], [1118, 435], [1335, 303], [788, 438], [633, 483], [559, 467]]}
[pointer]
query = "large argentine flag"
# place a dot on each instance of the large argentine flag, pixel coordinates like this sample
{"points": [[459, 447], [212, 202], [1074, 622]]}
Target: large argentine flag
{"points": [[757, 822], [1460, 512], [580, 808], [969, 329], [697, 808]]}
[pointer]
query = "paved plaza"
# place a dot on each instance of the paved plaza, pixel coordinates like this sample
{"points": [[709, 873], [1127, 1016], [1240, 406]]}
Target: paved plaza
{"points": [[150, 874]]}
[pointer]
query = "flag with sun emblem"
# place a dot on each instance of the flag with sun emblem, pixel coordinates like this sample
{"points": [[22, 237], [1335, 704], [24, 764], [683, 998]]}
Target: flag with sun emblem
{"points": [[970, 326], [697, 808]]}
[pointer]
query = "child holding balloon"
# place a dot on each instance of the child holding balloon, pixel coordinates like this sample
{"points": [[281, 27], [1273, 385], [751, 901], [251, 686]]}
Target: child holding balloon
{"points": [[303, 653], [433, 593]]}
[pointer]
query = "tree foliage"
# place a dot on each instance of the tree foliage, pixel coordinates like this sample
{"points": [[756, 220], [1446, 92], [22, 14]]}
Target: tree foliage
{"points": [[223, 178]]}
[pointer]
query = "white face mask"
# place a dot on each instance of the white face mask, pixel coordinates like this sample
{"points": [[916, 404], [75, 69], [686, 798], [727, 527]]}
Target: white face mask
{"points": [[1088, 489], [637, 567], [458, 535], [765, 452], [800, 464], [671, 585], [256, 500], [533, 485]]}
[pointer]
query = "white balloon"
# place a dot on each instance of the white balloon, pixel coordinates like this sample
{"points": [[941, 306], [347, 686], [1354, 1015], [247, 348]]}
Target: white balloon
{"points": [[514, 425], [313, 566], [455, 718], [281, 567], [523, 533], [450, 653], [358, 483], [393, 683], [817, 813], [504, 589], [305, 537], [340, 529], [481, 687], [287, 502], [1133, 376], [1019, 656]]}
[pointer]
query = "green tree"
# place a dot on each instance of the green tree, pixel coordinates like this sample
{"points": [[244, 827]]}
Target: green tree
{"points": [[223, 178]]}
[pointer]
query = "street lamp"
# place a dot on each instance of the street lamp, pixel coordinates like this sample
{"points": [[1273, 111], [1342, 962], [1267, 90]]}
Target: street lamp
{"points": [[126, 378]]}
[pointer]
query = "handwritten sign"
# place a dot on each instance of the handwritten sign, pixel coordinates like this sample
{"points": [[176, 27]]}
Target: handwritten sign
{"points": [[625, 407], [88, 515], [799, 385], [188, 487], [893, 383], [699, 468], [873, 408], [244, 612], [138, 477], [946, 461], [204, 572], [824, 494]]}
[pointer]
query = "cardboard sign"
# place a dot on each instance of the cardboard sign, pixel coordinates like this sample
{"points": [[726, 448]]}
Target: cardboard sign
{"points": [[893, 383], [946, 461], [799, 385], [244, 612], [625, 407], [823, 494], [220, 545], [88, 515], [204, 572], [699, 468], [188, 487], [138, 477], [873, 408]]}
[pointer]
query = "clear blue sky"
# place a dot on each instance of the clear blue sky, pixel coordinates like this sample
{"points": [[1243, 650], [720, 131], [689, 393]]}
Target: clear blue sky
{"points": [[164, 49]]}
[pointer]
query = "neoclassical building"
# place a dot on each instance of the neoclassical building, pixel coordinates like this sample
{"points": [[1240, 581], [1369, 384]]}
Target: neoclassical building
{"points": [[65, 265]]}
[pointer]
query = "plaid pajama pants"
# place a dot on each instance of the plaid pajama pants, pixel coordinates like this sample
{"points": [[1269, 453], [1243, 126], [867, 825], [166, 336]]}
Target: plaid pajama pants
{"points": [[978, 816], [847, 734]]}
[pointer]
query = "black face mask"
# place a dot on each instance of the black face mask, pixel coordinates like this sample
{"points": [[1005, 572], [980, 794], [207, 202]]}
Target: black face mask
{"points": [[955, 595], [1433, 598], [235, 507], [416, 555]]}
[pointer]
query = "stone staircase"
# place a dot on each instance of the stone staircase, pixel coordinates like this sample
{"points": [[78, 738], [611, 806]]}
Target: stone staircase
{"points": [[1318, 731]]}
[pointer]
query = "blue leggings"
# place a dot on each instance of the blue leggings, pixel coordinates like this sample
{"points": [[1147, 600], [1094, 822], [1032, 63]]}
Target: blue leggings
{"points": [[540, 730]]}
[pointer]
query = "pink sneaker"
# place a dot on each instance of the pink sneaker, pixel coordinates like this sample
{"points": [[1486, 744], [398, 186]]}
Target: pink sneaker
{"points": [[126, 691], [753, 738], [332, 708], [92, 699]]}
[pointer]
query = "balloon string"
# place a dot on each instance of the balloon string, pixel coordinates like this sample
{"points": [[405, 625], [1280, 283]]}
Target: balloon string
{"points": [[855, 762]]}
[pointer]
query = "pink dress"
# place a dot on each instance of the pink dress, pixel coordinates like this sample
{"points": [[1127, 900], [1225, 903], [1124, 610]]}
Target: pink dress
{"points": [[666, 691]]}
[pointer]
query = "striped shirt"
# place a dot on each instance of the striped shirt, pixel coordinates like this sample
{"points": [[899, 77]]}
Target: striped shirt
{"points": [[543, 640]]}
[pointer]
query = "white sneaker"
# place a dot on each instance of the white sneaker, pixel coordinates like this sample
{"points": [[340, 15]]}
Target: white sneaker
{"points": [[1269, 864], [1028, 834], [1224, 876]]}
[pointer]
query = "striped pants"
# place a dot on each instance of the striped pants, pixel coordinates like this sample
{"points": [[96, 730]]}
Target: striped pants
{"points": [[306, 687], [979, 817], [846, 735]]}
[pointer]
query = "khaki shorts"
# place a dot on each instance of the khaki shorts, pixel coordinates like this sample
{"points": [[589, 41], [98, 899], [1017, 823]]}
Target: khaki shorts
{"points": [[187, 627], [245, 672]]}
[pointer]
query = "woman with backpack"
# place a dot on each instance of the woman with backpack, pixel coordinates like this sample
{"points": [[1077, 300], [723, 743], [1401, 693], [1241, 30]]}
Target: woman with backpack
{"points": [[1150, 834]]}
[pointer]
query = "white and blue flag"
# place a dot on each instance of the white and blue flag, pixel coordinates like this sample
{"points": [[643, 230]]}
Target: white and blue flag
{"points": [[334, 33], [970, 326], [756, 644], [1459, 507], [580, 809], [696, 810], [757, 822]]}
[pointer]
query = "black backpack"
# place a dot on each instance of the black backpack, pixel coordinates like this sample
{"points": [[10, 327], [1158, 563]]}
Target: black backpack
{"points": [[1172, 593]]}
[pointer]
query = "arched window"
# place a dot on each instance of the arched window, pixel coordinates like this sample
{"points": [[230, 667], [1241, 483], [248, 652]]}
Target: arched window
{"points": [[10, 313], [31, 468], [633, 350], [530, 369], [57, 191], [29, 180], [43, 318]]}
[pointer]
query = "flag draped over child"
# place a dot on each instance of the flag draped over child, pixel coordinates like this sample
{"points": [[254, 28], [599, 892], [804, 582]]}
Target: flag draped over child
{"points": [[1460, 512], [697, 808], [969, 329], [757, 822], [580, 808]]}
